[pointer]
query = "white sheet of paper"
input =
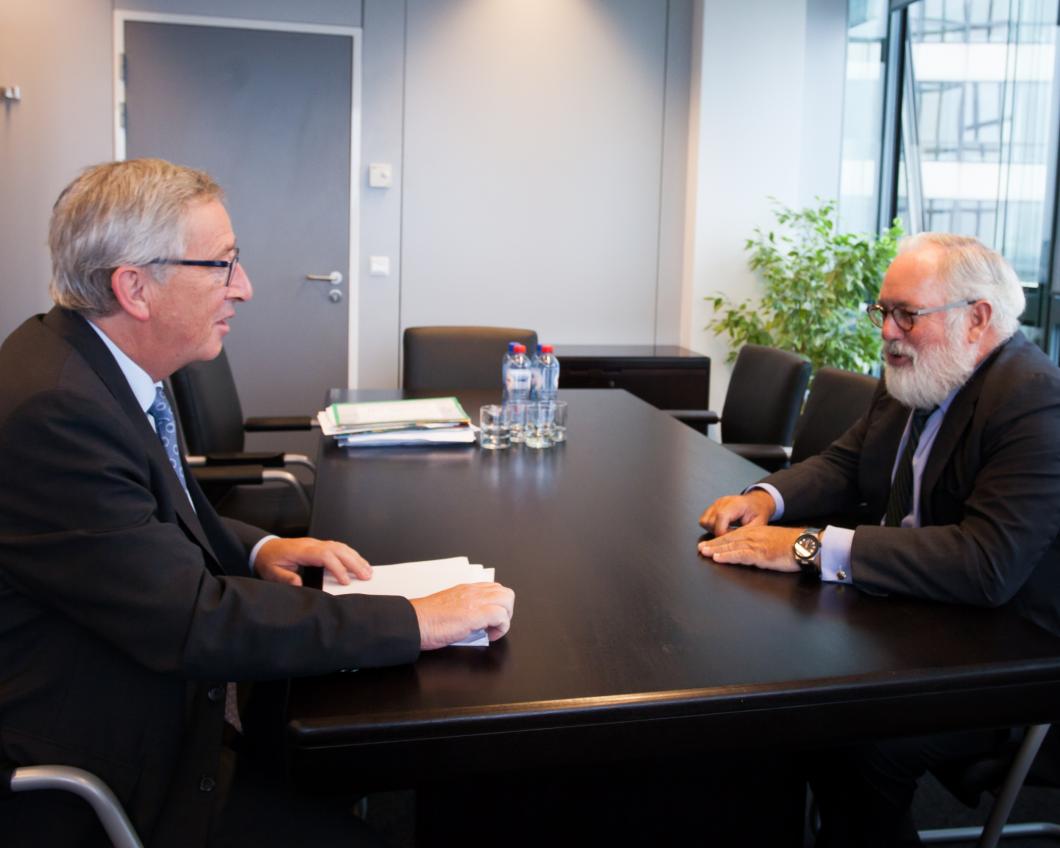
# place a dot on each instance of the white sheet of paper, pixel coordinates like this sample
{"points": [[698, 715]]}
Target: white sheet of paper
{"points": [[416, 579]]}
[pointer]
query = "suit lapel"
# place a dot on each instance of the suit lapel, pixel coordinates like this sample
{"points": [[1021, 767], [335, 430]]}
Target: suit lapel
{"points": [[881, 450], [957, 419], [75, 330]]}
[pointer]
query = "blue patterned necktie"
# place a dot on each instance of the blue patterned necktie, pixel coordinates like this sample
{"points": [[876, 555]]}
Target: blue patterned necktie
{"points": [[166, 426]]}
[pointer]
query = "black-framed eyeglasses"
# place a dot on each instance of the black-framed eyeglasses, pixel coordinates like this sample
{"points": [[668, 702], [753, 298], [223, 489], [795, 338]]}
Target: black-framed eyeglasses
{"points": [[906, 318], [230, 264]]}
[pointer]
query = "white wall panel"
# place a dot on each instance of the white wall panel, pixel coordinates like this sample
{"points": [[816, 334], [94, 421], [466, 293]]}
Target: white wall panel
{"points": [[533, 145]]}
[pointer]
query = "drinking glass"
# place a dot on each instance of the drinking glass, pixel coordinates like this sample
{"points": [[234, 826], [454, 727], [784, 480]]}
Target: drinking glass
{"points": [[539, 416], [494, 433], [559, 422], [515, 418]]}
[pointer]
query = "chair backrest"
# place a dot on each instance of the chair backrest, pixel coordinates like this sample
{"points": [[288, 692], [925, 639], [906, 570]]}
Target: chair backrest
{"points": [[208, 405], [837, 399], [458, 357], [764, 397]]}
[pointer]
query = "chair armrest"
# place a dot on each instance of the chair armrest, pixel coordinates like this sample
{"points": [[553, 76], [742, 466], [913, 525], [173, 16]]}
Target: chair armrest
{"points": [[760, 453], [267, 459], [278, 422], [233, 475], [697, 416], [249, 475]]}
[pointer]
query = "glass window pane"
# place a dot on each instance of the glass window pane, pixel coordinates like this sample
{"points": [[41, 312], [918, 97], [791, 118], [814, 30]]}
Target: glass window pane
{"points": [[977, 136], [862, 115]]}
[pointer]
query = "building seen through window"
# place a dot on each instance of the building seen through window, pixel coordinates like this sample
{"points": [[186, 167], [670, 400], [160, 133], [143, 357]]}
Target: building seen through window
{"points": [[963, 95]]}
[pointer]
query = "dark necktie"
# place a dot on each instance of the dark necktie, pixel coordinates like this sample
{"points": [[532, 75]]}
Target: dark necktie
{"points": [[900, 501], [166, 426]]}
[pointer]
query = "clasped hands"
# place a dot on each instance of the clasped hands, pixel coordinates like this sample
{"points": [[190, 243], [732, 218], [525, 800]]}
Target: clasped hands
{"points": [[444, 617], [742, 535]]}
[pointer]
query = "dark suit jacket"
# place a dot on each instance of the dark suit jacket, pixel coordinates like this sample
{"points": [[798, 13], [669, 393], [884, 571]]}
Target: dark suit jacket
{"points": [[122, 610], [990, 494]]}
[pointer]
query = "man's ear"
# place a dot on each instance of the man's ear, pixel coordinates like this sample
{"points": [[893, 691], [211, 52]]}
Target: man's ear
{"points": [[130, 286], [981, 313]]}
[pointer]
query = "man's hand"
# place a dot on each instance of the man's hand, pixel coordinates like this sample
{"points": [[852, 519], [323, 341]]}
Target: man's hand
{"points": [[750, 510], [765, 547], [453, 614], [278, 559]]}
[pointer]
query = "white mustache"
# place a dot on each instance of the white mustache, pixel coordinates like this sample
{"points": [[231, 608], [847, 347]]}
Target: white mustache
{"points": [[899, 348]]}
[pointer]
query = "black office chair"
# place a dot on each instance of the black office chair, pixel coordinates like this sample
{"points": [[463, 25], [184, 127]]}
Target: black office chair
{"points": [[1009, 771], [107, 807], [254, 486], [762, 403], [458, 357], [836, 401]]}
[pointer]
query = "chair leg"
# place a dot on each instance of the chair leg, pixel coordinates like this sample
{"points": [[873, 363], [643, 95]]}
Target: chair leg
{"points": [[86, 785], [1006, 798], [995, 828]]}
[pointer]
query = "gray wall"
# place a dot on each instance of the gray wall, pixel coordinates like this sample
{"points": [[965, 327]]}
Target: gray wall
{"points": [[614, 168], [535, 145], [62, 124], [333, 12], [539, 153]]}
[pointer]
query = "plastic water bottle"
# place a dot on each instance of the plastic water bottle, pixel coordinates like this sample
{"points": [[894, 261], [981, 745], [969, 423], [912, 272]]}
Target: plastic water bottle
{"points": [[518, 378], [536, 375], [546, 373], [506, 362], [517, 392]]}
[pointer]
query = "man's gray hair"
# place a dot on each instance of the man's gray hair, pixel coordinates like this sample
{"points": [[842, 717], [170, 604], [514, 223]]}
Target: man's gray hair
{"points": [[119, 213], [971, 270]]}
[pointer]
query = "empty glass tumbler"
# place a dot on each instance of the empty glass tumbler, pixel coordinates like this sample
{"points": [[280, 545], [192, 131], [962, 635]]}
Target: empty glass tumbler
{"points": [[494, 432]]}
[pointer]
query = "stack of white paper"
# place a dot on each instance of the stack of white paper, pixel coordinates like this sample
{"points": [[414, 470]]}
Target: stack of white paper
{"points": [[415, 580], [398, 422]]}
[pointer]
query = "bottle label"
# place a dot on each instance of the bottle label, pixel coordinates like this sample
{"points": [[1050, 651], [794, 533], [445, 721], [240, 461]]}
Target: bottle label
{"points": [[518, 379]]}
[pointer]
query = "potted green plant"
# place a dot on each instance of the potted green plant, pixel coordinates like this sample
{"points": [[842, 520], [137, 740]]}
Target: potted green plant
{"points": [[817, 282]]}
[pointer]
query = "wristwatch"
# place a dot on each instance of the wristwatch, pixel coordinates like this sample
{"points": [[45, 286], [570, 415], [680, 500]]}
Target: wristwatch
{"points": [[807, 552]]}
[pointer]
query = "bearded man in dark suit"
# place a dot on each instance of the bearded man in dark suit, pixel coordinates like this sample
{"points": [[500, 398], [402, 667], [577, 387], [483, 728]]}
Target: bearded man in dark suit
{"points": [[955, 471], [126, 602]]}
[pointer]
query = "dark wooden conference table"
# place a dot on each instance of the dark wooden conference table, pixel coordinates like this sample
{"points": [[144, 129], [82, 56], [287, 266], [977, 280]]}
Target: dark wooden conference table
{"points": [[625, 643]]}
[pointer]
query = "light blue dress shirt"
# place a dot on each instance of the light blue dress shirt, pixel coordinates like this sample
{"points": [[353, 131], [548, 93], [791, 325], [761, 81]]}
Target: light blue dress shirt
{"points": [[144, 389], [836, 542]]}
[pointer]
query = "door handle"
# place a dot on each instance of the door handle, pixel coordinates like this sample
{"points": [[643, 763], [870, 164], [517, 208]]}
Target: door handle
{"points": [[335, 277]]}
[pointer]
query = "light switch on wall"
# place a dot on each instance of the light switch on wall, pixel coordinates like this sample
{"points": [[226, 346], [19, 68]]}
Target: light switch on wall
{"points": [[379, 266], [379, 175]]}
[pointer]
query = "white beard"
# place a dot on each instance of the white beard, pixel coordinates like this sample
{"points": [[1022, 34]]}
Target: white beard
{"points": [[931, 374]]}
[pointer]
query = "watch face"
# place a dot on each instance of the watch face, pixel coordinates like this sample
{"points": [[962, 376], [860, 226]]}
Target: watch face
{"points": [[806, 546]]}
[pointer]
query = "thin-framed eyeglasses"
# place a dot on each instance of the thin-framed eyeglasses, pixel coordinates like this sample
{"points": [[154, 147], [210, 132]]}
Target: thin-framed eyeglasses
{"points": [[230, 264], [906, 318]]}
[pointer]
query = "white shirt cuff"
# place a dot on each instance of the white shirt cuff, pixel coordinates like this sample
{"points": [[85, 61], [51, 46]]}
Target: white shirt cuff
{"points": [[774, 494], [836, 543], [257, 547]]}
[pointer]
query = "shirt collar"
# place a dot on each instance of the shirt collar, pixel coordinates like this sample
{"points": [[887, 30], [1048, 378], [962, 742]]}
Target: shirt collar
{"points": [[143, 387]]}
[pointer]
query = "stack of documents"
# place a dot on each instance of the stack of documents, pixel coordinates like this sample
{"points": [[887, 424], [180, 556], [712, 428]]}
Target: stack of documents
{"points": [[397, 422], [415, 580]]}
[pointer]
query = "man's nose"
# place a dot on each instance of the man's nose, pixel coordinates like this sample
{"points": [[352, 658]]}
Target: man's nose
{"points": [[240, 288], [890, 329]]}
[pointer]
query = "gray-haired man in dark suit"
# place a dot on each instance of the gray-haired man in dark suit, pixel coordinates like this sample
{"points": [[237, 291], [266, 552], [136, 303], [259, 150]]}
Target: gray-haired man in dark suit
{"points": [[126, 602], [955, 471]]}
